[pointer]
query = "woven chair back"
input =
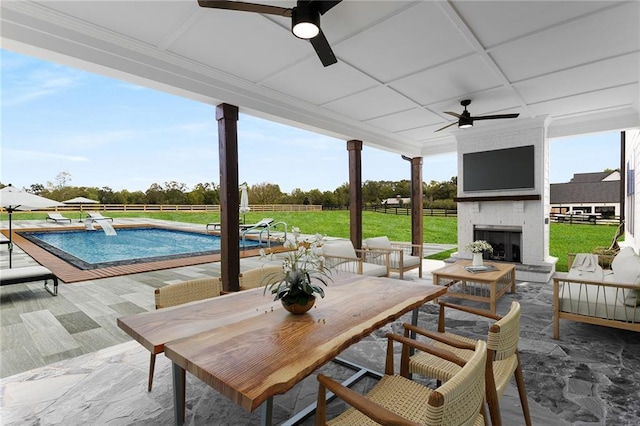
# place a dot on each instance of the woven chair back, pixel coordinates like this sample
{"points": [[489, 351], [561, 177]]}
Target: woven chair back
{"points": [[260, 277], [188, 291], [458, 401], [504, 334]]}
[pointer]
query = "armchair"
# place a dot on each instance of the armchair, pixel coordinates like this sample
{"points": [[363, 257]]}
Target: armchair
{"points": [[402, 256], [396, 400], [503, 360]]}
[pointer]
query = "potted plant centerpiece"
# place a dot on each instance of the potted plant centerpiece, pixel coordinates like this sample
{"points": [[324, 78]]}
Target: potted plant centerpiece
{"points": [[303, 270], [478, 247]]}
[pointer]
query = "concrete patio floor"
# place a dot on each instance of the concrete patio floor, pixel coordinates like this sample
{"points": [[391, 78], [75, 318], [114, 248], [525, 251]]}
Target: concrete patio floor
{"points": [[64, 361]]}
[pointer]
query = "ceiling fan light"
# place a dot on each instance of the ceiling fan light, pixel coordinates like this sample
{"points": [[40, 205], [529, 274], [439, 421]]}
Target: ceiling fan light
{"points": [[465, 122], [305, 23]]}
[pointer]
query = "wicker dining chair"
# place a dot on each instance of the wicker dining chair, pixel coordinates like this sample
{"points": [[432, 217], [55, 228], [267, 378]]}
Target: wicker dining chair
{"points": [[396, 400], [180, 293], [261, 276], [503, 360]]}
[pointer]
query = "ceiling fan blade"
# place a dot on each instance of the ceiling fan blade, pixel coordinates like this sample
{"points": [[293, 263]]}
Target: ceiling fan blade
{"points": [[495, 117], [448, 125], [323, 49], [246, 7], [323, 6], [455, 114]]}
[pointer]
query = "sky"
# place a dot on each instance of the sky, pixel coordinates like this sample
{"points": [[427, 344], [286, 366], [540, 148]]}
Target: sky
{"points": [[109, 133]]}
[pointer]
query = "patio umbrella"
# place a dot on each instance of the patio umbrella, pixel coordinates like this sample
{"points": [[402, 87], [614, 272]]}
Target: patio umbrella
{"points": [[12, 199], [244, 201], [81, 201]]}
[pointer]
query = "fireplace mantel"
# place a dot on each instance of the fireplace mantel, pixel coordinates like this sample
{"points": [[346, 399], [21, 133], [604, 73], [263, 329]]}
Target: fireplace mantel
{"points": [[535, 197]]}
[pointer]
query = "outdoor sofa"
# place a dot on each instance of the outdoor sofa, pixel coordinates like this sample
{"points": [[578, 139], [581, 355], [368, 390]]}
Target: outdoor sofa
{"points": [[591, 295]]}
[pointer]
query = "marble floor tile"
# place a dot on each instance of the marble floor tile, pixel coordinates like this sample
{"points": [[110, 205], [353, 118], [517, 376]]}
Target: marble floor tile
{"points": [[77, 322]]}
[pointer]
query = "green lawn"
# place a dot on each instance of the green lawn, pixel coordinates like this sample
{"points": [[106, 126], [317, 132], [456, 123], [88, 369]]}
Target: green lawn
{"points": [[564, 238]]}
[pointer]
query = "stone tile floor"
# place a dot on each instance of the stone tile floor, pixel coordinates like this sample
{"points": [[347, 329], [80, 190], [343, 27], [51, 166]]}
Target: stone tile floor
{"points": [[64, 361]]}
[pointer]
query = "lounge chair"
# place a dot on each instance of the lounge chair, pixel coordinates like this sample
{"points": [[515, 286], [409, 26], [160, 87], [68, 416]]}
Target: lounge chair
{"points": [[98, 216], [57, 217], [29, 274], [216, 226], [262, 223]]}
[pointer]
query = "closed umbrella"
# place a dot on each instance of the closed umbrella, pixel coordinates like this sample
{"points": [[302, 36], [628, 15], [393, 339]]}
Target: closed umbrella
{"points": [[81, 201], [12, 199], [244, 201]]}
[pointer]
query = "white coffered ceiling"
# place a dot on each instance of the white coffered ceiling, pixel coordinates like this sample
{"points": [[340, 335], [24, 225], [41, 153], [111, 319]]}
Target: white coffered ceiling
{"points": [[400, 63]]}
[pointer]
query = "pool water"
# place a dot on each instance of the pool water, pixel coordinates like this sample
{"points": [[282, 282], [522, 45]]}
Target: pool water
{"points": [[94, 249]]}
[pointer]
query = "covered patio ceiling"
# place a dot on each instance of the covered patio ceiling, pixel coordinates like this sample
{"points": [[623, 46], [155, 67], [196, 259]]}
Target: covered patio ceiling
{"points": [[400, 63]]}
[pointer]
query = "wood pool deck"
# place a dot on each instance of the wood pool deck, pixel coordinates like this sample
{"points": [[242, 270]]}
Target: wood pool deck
{"points": [[70, 274]]}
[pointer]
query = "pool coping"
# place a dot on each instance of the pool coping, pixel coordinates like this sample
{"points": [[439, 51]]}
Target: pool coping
{"points": [[70, 274]]}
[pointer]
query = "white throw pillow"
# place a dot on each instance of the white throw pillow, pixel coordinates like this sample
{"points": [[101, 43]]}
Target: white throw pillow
{"points": [[626, 269], [378, 243]]}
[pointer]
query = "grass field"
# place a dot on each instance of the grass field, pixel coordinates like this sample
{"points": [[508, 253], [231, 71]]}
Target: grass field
{"points": [[564, 238]]}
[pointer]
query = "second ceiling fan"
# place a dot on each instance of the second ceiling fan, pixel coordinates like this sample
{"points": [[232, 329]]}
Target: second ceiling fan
{"points": [[305, 20], [465, 120]]}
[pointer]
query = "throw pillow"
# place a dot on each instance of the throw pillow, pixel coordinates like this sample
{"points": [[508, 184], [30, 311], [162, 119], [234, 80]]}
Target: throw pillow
{"points": [[339, 249], [626, 269], [378, 243]]}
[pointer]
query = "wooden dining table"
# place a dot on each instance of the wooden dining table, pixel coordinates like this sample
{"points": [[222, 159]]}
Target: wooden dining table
{"points": [[249, 348]]}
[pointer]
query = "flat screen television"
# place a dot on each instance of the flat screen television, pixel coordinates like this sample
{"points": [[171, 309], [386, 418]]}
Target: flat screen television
{"points": [[500, 169]]}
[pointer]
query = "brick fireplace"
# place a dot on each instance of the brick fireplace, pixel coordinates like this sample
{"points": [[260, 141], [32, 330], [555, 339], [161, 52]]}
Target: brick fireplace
{"points": [[505, 202]]}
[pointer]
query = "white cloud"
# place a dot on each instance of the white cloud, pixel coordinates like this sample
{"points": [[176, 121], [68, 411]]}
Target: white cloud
{"points": [[39, 83], [25, 155]]}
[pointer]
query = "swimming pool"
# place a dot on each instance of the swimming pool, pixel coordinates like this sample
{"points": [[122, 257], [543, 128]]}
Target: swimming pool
{"points": [[94, 249]]}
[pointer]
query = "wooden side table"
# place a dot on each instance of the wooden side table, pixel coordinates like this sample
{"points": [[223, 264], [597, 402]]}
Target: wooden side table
{"points": [[486, 286]]}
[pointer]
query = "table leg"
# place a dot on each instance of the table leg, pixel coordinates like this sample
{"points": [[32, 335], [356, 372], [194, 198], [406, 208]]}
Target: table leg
{"points": [[179, 405], [266, 412], [492, 296]]}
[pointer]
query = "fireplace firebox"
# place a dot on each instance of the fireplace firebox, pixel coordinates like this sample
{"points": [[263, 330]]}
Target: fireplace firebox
{"points": [[505, 240]]}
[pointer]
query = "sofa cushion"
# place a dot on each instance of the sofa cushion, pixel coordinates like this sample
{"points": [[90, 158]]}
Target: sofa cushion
{"points": [[340, 249], [408, 261], [378, 243], [626, 269]]}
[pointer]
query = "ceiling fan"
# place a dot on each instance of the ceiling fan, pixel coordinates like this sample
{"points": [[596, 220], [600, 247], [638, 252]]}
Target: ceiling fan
{"points": [[465, 120], [305, 20]]}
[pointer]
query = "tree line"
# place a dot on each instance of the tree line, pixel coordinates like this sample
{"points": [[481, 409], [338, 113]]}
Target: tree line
{"points": [[436, 194]]}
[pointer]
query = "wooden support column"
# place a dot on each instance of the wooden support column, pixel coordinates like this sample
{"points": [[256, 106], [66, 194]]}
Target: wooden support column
{"points": [[227, 117], [355, 192], [417, 218]]}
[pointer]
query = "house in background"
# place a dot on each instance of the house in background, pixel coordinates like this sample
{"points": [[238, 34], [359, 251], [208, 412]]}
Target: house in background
{"points": [[588, 193]]}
